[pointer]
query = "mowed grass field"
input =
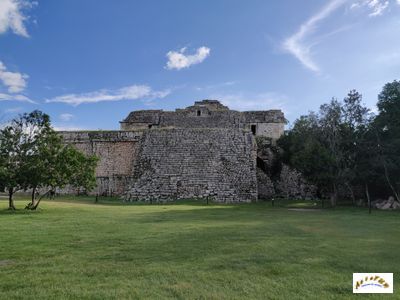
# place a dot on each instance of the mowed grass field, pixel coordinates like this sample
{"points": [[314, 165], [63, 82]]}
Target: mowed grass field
{"points": [[75, 249]]}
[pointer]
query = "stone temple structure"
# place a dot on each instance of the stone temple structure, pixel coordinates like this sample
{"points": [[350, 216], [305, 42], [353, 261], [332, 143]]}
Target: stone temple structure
{"points": [[204, 150]]}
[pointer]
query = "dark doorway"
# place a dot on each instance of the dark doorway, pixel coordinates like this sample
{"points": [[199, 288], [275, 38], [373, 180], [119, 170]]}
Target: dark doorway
{"points": [[261, 164], [150, 126], [254, 129], [198, 113]]}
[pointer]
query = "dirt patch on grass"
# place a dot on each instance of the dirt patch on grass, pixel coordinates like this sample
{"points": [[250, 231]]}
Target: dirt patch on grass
{"points": [[305, 209], [5, 262]]}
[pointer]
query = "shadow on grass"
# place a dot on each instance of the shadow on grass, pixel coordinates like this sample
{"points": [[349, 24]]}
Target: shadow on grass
{"points": [[261, 205], [21, 211]]}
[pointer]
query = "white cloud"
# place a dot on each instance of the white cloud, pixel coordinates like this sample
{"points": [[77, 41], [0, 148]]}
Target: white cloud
{"points": [[12, 16], [241, 102], [298, 46], [21, 98], [178, 60], [68, 128], [375, 7], [132, 92], [14, 81], [66, 117]]}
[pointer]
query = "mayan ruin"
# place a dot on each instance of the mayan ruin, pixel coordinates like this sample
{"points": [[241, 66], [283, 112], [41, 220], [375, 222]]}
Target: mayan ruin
{"points": [[204, 150], [199, 149]]}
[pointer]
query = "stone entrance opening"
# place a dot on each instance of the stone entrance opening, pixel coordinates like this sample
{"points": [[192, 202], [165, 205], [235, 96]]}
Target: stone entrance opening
{"points": [[261, 164], [254, 129]]}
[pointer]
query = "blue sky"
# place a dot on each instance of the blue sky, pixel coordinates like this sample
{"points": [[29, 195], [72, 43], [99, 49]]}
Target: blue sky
{"points": [[88, 63]]}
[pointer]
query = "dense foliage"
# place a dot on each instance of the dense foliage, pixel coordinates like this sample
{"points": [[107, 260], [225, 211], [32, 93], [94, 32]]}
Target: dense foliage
{"points": [[346, 147], [33, 157]]}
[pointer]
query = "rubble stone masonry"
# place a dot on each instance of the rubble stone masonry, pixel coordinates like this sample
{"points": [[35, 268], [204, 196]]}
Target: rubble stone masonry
{"points": [[204, 150], [195, 163]]}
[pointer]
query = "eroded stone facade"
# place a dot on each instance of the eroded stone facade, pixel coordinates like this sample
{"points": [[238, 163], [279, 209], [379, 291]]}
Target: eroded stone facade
{"points": [[209, 114], [195, 163], [204, 150], [117, 153]]}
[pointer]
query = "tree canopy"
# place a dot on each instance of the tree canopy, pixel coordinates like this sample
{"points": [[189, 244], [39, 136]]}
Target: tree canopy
{"points": [[345, 145], [33, 156]]}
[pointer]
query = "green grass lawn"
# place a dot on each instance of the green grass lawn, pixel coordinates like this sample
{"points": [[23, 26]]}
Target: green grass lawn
{"points": [[74, 249]]}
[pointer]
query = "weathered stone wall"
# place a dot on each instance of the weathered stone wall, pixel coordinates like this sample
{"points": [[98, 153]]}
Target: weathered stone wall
{"points": [[266, 189], [117, 151], [271, 130], [187, 163], [209, 114], [206, 119], [292, 184], [263, 116], [203, 150]]}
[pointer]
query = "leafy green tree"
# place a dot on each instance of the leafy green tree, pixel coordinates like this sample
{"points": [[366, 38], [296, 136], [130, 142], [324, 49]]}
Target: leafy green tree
{"points": [[330, 122], [387, 131], [64, 165], [303, 149], [38, 134], [323, 146], [15, 147], [356, 119], [366, 161], [33, 156]]}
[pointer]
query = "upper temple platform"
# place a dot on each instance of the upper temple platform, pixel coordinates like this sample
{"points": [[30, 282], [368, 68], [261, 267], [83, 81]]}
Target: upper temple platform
{"points": [[209, 114]]}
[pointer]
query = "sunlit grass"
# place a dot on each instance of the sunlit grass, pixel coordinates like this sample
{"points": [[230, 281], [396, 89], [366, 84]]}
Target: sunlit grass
{"points": [[73, 248]]}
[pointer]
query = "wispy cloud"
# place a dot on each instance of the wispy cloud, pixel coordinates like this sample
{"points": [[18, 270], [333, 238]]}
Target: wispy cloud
{"points": [[298, 46], [11, 97], [301, 43], [132, 92], [68, 128], [179, 60], [12, 16], [66, 117], [215, 86], [262, 101], [13, 110], [375, 7], [14, 81]]}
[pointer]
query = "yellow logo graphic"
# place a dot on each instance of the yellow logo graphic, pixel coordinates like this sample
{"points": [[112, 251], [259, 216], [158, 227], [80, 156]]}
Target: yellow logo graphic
{"points": [[372, 281], [366, 283]]}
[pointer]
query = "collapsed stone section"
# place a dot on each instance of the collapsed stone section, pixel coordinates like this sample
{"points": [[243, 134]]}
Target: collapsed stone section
{"points": [[195, 163]]}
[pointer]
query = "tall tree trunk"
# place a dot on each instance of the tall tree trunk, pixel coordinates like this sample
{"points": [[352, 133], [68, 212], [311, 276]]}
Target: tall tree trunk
{"points": [[334, 196], [368, 198], [11, 205], [38, 202], [388, 180], [33, 196], [386, 170], [320, 196], [353, 198]]}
